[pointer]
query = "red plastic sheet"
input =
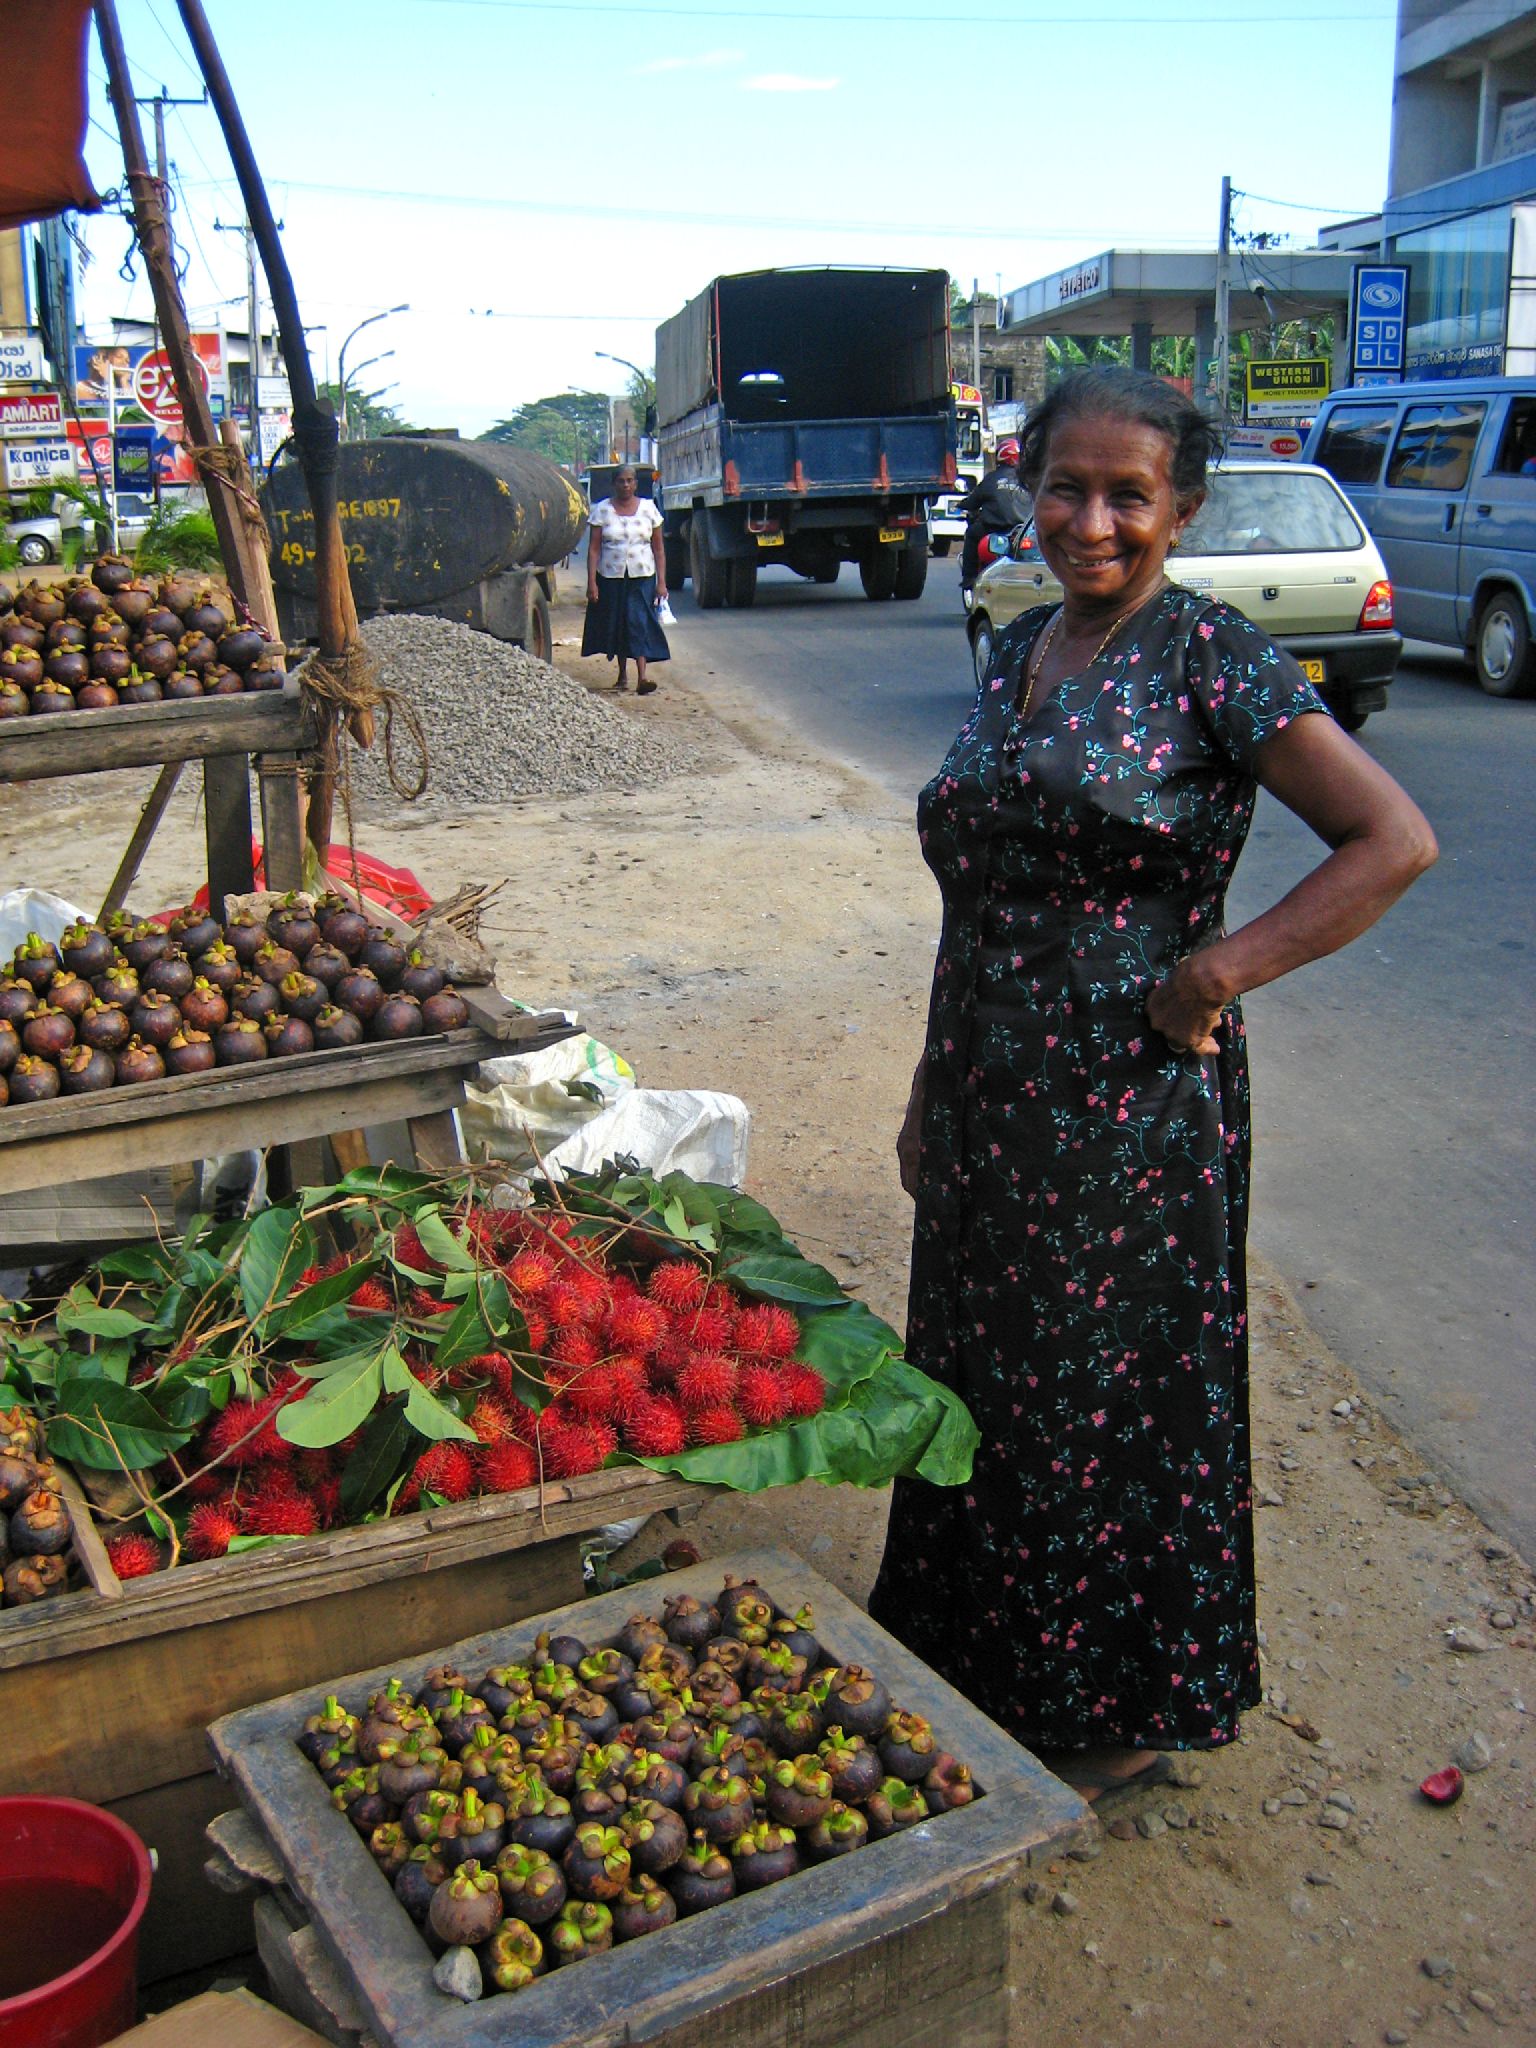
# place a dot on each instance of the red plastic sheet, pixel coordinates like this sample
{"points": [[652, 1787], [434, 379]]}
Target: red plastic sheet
{"points": [[397, 889], [41, 168]]}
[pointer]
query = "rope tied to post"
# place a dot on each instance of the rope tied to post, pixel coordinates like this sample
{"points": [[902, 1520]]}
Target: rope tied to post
{"points": [[346, 690], [219, 464]]}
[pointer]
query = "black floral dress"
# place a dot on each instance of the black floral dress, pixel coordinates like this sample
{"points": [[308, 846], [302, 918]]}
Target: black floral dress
{"points": [[1078, 1257]]}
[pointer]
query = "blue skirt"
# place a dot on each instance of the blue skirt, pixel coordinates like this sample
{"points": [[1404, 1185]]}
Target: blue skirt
{"points": [[622, 624]]}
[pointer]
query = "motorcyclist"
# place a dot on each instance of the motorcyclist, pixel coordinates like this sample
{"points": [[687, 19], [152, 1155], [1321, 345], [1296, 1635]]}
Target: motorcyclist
{"points": [[997, 504]]}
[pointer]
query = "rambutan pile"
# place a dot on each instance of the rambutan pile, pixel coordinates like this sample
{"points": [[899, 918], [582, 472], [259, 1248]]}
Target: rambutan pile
{"points": [[133, 1555]]}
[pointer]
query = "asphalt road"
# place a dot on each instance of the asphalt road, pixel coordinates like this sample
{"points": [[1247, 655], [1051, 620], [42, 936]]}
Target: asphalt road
{"points": [[1393, 1097]]}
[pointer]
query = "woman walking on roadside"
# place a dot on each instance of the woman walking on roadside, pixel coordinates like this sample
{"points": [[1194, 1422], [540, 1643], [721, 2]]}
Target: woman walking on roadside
{"points": [[1077, 1138], [626, 580]]}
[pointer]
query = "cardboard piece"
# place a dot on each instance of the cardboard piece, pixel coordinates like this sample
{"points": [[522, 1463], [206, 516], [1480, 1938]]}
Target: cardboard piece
{"points": [[234, 2019]]}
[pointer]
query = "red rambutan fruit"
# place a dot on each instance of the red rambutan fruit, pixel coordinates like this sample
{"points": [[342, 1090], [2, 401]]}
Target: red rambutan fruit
{"points": [[765, 1330], [761, 1395], [327, 1499], [211, 1528], [314, 1468], [132, 1554], [410, 1250], [373, 1297], [308, 1278], [654, 1429], [605, 1436], [507, 1467], [707, 1380], [709, 1328], [281, 1511], [537, 1325], [576, 1345], [591, 1291], [570, 1447], [408, 1499], [562, 1304], [636, 1324], [207, 1485], [422, 1303], [718, 1425], [491, 1420], [485, 1369], [806, 1388], [677, 1284], [529, 1271], [243, 1434], [446, 1469]]}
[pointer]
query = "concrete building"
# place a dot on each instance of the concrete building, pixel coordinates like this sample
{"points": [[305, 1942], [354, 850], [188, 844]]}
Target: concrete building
{"points": [[1460, 207], [1006, 366]]}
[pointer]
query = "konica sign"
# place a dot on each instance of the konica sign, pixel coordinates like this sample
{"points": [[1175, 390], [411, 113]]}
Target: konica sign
{"points": [[1379, 323]]}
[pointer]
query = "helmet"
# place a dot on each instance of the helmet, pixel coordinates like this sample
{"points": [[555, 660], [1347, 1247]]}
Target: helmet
{"points": [[1008, 451]]}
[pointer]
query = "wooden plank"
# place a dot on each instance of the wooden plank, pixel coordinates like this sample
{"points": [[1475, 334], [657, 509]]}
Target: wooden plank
{"points": [[282, 820], [435, 1141], [227, 826], [148, 735], [89, 1548], [155, 806], [377, 1553], [816, 1929]]}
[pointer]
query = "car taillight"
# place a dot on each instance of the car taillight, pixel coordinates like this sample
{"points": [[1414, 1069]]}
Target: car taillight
{"points": [[1376, 613]]}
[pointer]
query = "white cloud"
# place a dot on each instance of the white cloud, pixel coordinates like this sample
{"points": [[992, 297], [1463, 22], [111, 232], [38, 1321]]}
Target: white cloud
{"points": [[705, 60], [789, 81]]}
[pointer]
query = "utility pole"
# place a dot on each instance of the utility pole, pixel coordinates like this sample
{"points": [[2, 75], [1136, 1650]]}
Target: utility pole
{"points": [[976, 332], [252, 323], [1224, 306], [161, 100]]}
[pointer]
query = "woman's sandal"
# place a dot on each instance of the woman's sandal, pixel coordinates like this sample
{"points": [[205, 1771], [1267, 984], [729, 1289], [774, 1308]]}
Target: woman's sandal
{"points": [[644, 689], [1100, 1787]]}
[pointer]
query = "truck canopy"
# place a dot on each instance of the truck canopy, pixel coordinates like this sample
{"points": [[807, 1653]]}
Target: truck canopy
{"points": [[780, 345]]}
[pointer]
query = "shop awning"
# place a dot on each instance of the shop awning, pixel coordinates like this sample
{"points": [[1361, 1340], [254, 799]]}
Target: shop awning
{"points": [[42, 170]]}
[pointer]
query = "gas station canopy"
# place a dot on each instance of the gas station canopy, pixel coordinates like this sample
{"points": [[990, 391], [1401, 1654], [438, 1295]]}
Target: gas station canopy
{"points": [[1173, 292]]}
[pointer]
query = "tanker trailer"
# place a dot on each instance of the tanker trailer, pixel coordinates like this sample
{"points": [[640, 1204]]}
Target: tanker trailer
{"points": [[466, 530]]}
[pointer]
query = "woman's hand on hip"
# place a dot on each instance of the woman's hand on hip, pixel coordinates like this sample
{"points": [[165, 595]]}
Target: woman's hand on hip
{"points": [[1185, 1009], [909, 1137]]}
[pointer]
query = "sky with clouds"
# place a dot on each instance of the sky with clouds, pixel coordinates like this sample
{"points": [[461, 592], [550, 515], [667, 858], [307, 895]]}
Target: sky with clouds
{"points": [[545, 180]]}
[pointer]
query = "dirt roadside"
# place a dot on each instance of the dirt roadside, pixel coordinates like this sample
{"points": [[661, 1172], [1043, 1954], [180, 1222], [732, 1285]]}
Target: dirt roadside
{"points": [[766, 927]]}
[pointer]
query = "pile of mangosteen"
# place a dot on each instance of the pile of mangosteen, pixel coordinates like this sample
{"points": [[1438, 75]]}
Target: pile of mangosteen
{"points": [[538, 1813], [130, 1001], [35, 1538], [111, 638]]}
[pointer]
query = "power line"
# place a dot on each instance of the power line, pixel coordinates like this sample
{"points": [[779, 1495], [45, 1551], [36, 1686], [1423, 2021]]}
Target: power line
{"points": [[888, 21], [1300, 205]]}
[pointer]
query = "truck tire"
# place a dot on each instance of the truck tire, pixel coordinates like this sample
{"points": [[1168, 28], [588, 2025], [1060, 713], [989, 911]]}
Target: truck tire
{"points": [[541, 640], [911, 572], [877, 573], [826, 572], [940, 546], [706, 571], [675, 549], [740, 585], [1501, 646]]}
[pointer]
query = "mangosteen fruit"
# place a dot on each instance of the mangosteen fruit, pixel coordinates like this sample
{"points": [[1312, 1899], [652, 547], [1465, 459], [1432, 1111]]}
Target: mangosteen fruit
{"points": [[389, 1845], [459, 1716], [712, 1687], [254, 998], [532, 1884], [466, 1907], [689, 1621], [512, 1958], [440, 1685], [207, 613], [907, 1748], [98, 696], [218, 966], [446, 1011], [601, 1671], [797, 1633], [718, 1805], [418, 1878], [239, 648], [321, 1729], [669, 1730], [138, 1062], [840, 1830], [202, 1006], [739, 1593], [326, 963], [27, 1579], [643, 1907], [65, 636], [287, 1037], [948, 1784], [10, 1047], [718, 1748], [893, 1806], [273, 961], [475, 1831], [538, 1818], [651, 1777], [857, 1702], [596, 1863], [303, 996], [799, 1792], [194, 931], [397, 1017], [419, 978], [343, 927], [582, 1928], [170, 975], [655, 1835], [48, 1032], [22, 666], [667, 1660], [86, 950], [763, 1855], [382, 956], [67, 992], [103, 1026], [67, 665], [190, 1052], [18, 1001], [424, 1813], [196, 651], [704, 1876], [108, 630], [556, 1756], [359, 1798], [854, 1766], [108, 665], [244, 934], [239, 1041], [146, 690], [593, 1715], [119, 986], [14, 701], [133, 601], [85, 1070], [146, 942], [155, 1018], [51, 696], [291, 924], [503, 1684], [360, 992], [35, 962], [20, 1475], [795, 1724], [156, 656]]}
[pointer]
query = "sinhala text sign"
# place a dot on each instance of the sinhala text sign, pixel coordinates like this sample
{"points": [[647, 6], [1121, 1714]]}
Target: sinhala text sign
{"points": [[1287, 388]]}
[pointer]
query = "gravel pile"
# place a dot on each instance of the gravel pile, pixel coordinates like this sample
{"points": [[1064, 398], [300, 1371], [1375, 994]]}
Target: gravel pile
{"points": [[500, 724]]}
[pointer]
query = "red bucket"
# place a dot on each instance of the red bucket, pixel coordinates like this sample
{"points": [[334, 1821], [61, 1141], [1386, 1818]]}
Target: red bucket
{"points": [[74, 1882]]}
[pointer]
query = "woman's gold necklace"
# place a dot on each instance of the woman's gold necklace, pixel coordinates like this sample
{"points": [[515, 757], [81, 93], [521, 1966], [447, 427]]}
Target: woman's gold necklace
{"points": [[1037, 662]]}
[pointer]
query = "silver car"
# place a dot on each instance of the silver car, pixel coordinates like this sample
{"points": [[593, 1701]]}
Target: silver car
{"points": [[1278, 541]]}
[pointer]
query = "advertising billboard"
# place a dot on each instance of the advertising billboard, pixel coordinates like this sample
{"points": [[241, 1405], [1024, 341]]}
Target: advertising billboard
{"points": [[134, 381], [1287, 386]]}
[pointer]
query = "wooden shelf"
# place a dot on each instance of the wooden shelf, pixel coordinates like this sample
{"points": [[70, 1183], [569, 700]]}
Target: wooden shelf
{"points": [[148, 735]]}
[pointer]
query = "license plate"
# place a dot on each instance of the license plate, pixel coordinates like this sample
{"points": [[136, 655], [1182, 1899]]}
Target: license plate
{"points": [[770, 540], [1314, 671], [892, 533]]}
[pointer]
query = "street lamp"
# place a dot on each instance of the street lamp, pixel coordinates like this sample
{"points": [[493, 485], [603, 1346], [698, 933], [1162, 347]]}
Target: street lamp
{"points": [[341, 360], [646, 385]]}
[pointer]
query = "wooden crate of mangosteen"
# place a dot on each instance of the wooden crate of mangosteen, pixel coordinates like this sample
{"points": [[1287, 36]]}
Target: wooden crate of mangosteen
{"points": [[744, 1811]]}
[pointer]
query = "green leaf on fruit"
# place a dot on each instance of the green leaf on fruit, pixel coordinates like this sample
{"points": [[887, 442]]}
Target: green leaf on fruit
{"points": [[99, 1424], [783, 1276], [337, 1403], [388, 1445]]}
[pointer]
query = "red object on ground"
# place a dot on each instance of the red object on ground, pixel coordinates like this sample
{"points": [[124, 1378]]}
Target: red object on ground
{"points": [[1444, 1788], [89, 1871], [397, 889]]}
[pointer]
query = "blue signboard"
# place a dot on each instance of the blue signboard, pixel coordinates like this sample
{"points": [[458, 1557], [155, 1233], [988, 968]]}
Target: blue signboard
{"points": [[133, 459], [1378, 328]]}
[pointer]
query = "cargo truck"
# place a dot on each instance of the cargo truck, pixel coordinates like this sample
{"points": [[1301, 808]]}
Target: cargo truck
{"points": [[806, 417]]}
